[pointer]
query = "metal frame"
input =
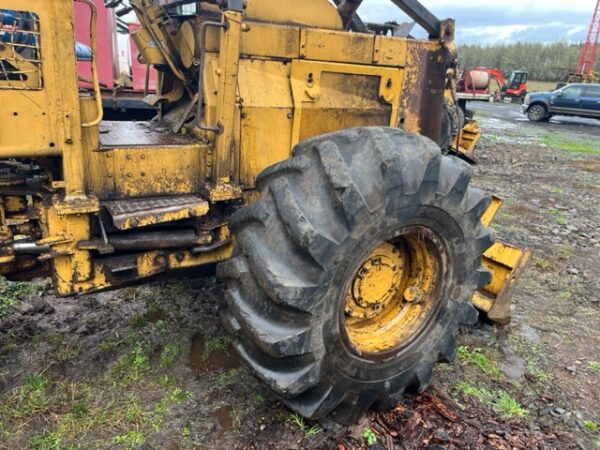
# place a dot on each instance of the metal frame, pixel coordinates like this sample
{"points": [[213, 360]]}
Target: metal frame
{"points": [[412, 8]]}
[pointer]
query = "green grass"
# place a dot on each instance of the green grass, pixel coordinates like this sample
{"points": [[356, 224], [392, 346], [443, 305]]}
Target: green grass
{"points": [[299, 422], [544, 265], [214, 344], [509, 408], [482, 394], [590, 425], [540, 86], [566, 252], [541, 375], [369, 436], [565, 295], [559, 217], [478, 359], [562, 142], [11, 293], [129, 440], [169, 354], [230, 377], [594, 365], [500, 401], [131, 366]]}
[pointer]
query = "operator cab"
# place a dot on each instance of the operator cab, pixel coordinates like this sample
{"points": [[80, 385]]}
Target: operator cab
{"points": [[517, 79]]}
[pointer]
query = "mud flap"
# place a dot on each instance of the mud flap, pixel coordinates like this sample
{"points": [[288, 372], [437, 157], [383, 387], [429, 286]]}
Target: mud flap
{"points": [[506, 262]]}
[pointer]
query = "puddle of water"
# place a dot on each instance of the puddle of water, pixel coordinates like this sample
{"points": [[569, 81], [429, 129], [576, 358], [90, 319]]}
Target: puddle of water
{"points": [[203, 360]]}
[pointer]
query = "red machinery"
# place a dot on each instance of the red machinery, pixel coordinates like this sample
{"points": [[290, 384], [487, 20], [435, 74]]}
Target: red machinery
{"points": [[587, 60], [475, 85], [124, 79]]}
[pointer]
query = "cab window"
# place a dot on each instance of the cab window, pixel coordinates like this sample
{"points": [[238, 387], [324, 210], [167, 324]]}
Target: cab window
{"points": [[572, 92], [20, 55], [592, 91]]}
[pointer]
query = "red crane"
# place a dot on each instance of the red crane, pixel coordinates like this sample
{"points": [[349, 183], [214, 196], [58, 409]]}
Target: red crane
{"points": [[587, 60]]}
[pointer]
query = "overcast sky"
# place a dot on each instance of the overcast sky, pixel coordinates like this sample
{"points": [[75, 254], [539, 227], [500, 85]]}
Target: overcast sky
{"points": [[486, 22]]}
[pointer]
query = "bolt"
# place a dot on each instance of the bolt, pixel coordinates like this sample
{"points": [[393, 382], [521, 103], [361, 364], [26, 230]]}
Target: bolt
{"points": [[180, 257], [413, 295], [160, 260]]}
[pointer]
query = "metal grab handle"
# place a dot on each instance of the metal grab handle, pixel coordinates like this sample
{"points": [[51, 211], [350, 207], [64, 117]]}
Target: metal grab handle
{"points": [[94, 64], [218, 129]]}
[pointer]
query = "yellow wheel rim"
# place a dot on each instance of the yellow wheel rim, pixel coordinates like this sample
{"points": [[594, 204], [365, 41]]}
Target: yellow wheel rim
{"points": [[392, 296]]}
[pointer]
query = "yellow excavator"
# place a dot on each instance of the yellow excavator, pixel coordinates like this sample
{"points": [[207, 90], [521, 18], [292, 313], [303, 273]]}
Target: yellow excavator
{"points": [[301, 150]]}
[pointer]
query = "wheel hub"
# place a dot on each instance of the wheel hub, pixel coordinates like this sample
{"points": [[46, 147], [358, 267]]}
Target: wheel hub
{"points": [[393, 293], [376, 284]]}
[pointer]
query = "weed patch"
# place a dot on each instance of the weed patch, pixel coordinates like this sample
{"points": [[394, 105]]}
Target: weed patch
{"points": [[369, 436], [509, 408], [478, 359], [132, 366], [500, 401], [214, 344], [594, 365], [230, 377], [544, 265], [169, 355], [482, 394], [299, 422], [11, 293]]}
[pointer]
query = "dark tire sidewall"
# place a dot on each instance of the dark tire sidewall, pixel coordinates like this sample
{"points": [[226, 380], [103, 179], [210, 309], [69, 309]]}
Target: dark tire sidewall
{"points": [[538, 117]]}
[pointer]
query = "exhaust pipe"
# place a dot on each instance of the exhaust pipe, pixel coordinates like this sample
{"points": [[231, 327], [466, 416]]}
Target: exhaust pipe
{"points": [[30, 248]]}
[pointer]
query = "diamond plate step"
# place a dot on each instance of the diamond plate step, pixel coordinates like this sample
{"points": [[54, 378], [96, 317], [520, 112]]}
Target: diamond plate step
{"points": [[142, 212]]}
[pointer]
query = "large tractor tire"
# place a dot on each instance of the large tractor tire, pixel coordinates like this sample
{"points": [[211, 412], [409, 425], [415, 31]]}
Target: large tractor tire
{"points": [[355, 269]]}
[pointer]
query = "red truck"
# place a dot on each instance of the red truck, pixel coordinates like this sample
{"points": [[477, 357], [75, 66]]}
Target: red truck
{"points": [[125, 80], [475, 85]]}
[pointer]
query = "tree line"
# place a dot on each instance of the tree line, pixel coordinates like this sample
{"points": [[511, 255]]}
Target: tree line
{"points": [[544, 62]]}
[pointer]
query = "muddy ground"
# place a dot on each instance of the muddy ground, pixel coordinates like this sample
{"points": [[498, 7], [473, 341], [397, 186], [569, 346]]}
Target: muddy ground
{"points": [[151, 367]]}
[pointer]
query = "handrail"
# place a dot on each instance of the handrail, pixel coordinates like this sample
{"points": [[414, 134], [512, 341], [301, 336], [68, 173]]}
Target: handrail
{"points": [[203, 35], [94, 64]]}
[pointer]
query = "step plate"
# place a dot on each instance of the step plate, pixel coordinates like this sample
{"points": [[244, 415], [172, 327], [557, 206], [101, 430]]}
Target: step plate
{"points": [[143, 212]]}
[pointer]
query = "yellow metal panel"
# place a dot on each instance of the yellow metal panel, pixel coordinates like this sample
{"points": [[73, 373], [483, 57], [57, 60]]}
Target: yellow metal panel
{"points": [[506, 264], [271, 41], [313, 13], [417, 61], [267, 106], [491, 212], [467, 140], [389, 51], [324, 45], [154, 171], [227, 85], [341, 101], [26, 116]]}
